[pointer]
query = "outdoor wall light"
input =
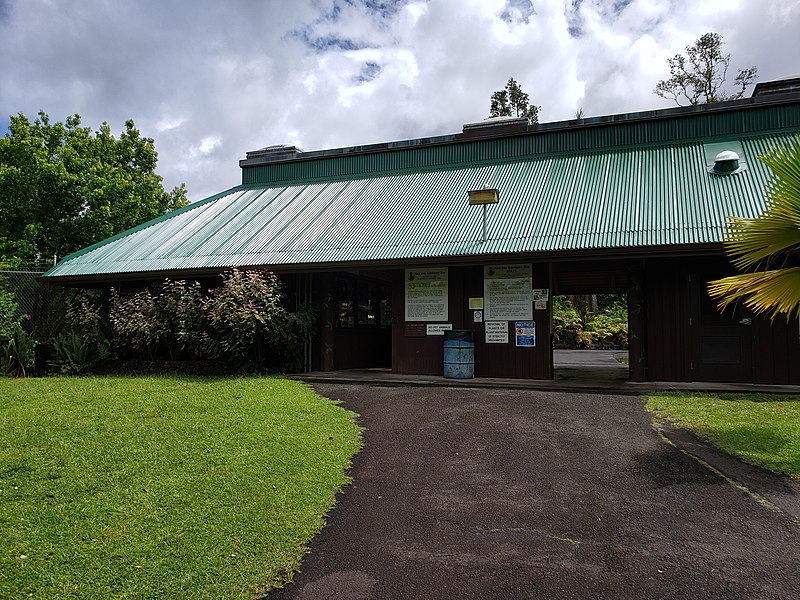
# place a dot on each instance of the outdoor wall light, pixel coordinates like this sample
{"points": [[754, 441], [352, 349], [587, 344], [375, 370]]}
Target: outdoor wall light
{"points": [[484, 198]]}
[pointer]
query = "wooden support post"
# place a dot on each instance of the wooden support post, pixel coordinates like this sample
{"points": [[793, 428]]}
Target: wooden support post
{"points": [[637, 343], [327, 321]]}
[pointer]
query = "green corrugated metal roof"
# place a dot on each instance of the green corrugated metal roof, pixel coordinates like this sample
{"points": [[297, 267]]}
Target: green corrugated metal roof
{"points": [[619, 198]]}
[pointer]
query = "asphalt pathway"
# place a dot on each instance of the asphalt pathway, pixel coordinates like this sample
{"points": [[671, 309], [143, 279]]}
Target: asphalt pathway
{"points": [[483, 493]]}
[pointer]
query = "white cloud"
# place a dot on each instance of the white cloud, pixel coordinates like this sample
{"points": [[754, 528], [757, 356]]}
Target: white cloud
{"points": [[208, 144], [210, 81]]}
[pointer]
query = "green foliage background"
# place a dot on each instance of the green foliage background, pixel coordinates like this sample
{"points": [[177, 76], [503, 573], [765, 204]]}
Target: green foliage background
{"points": [[577, 325], [64, 187]]}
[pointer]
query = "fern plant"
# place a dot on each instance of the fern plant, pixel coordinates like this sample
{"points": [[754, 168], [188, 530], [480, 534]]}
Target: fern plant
{"points": [[73, 354]]}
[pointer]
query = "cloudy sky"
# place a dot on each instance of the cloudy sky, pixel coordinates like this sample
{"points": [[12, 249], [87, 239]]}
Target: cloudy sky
{"points": [[210, 80]]}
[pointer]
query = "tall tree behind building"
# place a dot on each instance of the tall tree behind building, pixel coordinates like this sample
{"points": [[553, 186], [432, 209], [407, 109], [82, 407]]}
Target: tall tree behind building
{"points": [[698, 76], [63, 187], [511, 101]]}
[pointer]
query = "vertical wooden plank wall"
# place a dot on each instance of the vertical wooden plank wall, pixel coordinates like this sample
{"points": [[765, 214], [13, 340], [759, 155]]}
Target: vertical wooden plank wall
{"points": [[423, 355], [637, 341], [413, 355], [668, 344], [776, 351]]}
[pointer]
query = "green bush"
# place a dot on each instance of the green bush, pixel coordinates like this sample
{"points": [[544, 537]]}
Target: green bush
{"points": [[240, 314], [248, 325], [567, 326], [9, 317], [84, 316], [179, 304], [83, 340], [164, 320], [242, 322], [135, 322]]}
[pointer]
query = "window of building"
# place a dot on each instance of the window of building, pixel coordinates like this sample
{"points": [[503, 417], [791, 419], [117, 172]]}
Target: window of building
{"points": [[362, 303]]}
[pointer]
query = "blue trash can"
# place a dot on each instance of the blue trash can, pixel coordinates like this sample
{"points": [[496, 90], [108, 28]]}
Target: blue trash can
{"points": [[459, 355]]}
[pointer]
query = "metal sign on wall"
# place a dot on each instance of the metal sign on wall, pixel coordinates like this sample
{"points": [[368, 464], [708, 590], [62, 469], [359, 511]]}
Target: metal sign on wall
{"points": [[438, 328], [507, 292], [426, 294], [496, 332], [525, 334]]}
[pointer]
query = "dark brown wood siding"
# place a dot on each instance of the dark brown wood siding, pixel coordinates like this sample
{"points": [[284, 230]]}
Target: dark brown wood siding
{"points": [[776, 351], [637, 330], [423, 355], [666, 284], [675, 288], [665, 291]]}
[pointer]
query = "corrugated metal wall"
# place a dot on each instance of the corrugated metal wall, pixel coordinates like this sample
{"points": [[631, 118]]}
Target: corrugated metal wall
{"points": [[616, 134]]}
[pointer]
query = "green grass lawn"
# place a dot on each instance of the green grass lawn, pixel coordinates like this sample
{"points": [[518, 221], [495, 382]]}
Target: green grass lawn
{"points": [[760, 429], [144, 487]]}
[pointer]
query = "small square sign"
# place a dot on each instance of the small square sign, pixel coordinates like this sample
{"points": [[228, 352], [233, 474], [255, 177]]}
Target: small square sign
{"points": [[476, 303]]}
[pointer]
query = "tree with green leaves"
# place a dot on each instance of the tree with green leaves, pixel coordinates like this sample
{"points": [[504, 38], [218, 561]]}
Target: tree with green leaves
{"points": [[767, 248], [63, 187], [511, 101], [698, 76]]}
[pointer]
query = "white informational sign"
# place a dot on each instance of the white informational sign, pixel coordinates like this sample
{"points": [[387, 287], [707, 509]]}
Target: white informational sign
{"points": [[507, 292], [477, 316], [426, 294], [540, 305], [525, 333], [541, 294], [496, 332], [438, 328]]}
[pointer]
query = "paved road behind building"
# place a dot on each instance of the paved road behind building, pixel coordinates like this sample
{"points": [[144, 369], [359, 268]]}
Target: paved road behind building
{"points": [[472, 493]]}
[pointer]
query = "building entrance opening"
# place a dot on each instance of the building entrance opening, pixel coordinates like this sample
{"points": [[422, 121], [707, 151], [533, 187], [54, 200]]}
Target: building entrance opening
{"points": [[590, 337], [362, 322], [590, 325]]}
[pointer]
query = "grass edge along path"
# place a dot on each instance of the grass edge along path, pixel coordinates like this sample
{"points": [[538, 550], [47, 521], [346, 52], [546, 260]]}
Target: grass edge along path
{"points": [[164, 486], [761, 429]]}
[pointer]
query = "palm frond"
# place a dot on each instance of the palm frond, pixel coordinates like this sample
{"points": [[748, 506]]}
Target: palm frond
{"points": [[753, 243], [763, 292], [784, 162]]}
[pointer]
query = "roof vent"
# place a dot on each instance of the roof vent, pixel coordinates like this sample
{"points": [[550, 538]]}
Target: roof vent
{"points": [[276, 152], [496, 126], [270, 154], [726, 163], [786, 85]]}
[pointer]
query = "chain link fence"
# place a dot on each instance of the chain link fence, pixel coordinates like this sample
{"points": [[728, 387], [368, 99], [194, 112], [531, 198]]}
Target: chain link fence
{"points": [[40, 306]]}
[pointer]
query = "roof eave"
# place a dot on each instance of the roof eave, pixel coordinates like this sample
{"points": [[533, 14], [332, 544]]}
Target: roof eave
{"points": [[634, 252]]}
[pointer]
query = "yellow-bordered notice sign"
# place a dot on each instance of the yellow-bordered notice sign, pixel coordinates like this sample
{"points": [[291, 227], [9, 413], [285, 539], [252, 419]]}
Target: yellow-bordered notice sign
{"points": [[426, 294], [507, 292]]}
